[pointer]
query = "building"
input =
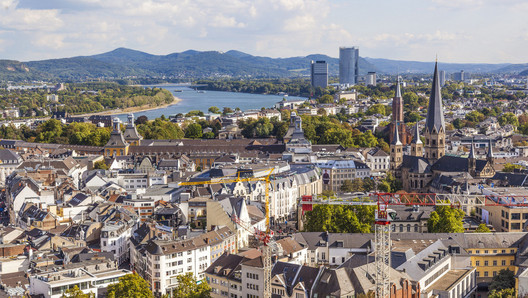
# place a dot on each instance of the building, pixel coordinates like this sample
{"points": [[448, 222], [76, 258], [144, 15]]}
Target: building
{"points": [[377, 160], [116, 145], [504, 218], [370, 79], [131, 135], [397, 118], [91, 276], [442, 78], [335, 172], [459, 76], [419, 169], [319, 74], [348, 65]]}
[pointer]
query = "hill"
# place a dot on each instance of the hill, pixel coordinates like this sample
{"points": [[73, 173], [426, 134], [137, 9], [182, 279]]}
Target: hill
{"points": [[122, 62]]}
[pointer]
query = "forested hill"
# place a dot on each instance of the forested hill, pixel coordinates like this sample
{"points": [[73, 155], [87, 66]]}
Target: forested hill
{"points": [[122, 63]]}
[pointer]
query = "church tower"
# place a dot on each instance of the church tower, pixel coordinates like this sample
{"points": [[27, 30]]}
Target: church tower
{"points": [[434, 124], [396, 151], [416, 143], [131, 135], [116, 146]]}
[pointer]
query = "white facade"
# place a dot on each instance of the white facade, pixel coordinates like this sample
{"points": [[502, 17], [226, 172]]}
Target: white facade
{"points": [[115, 238]]}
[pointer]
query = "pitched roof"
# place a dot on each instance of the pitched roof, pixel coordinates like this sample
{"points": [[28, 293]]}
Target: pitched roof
{"points": [[435, 111], [416, 164], [456, 164]]}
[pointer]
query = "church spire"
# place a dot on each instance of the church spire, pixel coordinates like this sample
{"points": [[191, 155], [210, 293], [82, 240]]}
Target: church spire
{"points": [[471, 151], [435, 111], [398, 90], [396, 137], [490, 150], [416, 137]]}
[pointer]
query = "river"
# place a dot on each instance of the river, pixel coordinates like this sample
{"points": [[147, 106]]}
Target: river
{"points": [[193, 100]]}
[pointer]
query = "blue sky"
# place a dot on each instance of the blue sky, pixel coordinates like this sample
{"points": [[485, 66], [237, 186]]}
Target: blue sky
{"points": [[490, 31]]}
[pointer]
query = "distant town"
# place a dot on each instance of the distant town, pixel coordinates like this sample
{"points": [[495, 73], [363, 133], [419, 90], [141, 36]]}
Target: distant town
{"points": [[367, 185]]}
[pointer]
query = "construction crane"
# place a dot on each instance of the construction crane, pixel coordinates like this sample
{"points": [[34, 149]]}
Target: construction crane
{"points": [[265, 237], [382, 221]]}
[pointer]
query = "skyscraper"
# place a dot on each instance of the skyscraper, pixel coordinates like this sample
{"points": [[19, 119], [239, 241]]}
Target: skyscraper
{"points": [[370, 79], [348, 65], [442, 78], [319, 74]]}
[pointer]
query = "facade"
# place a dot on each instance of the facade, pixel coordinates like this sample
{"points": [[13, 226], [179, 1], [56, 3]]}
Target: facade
{"points": [[348, 65], [335, 172], [131, 135], [370, 79], [319, 74], [116, 146]]}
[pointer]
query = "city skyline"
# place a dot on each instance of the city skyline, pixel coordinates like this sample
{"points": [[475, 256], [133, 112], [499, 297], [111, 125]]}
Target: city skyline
{"points": [[469, 31]]}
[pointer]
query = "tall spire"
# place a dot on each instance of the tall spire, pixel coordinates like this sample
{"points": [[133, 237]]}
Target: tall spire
{"points": [[398, 91], [416, 138], [490, 150], [471, 151], [396, 138], [435, 111]]}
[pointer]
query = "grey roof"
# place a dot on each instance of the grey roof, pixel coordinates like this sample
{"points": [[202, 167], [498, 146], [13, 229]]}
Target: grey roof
{"points": [[456, 164], [6, 154], [512, 179], [317, 239], [419, 265], [416, 164], [416, 137], [116, 139], [435, 112]]}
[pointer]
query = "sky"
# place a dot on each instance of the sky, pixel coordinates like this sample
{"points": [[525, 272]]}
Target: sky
{"points": [[457, 31]]}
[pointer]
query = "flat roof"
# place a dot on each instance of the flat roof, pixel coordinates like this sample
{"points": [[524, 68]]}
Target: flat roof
{"points": [[450, 279]]}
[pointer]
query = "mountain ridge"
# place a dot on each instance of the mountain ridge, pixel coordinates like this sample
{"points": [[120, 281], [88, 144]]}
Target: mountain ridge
{"points": [[123, 62]]}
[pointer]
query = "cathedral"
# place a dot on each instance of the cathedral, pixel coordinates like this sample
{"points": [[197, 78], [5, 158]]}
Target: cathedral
{"points": [[427, 161]]}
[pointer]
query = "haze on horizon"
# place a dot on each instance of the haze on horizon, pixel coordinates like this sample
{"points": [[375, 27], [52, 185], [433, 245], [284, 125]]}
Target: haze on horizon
{"points": [[461, 31]]}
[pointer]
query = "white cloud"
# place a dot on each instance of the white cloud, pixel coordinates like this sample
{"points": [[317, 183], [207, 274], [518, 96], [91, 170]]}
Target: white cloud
{"points": [[226, 22], [11, 17]]}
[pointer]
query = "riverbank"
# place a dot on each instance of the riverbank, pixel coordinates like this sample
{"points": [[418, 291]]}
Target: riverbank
{"points": [[139, 109]]}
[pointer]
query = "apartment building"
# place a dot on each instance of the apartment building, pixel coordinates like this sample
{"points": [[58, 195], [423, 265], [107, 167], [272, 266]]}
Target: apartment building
{"points": [[161, 261], [335, 172], [504, 218]]}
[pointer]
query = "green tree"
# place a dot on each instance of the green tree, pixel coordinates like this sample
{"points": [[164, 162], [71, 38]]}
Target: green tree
{"points": [[227, 111], [506, 293], [340, 219], [214, 110], [376, 109], [190, 288], [505, 279], [352, 185], [509, 167], [482, 228], [100, 165], [326, 99], [75, 292], [446, 219], [193, 131], [508, 118], [130, 286], [194, 113]]}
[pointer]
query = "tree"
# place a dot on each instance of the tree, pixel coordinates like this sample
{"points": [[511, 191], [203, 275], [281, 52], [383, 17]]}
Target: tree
{"points": [[100, 165], [340, 219], [376, 109], [141, 120], [75, 292], [352, 185], [446, 219], [505, 279], [193, 131], [188, 287], [130, 286], [508, 118], [509, 167], [227, 111], [214, 110], [327, 98], [506, 293], [482, 228]]}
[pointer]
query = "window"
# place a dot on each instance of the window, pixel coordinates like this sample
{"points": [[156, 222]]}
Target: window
{"points": [[485, 263], [494, 263], [478, 274], [485, 273], [486, 251], [333, 259], [477, 251], [477, 263], [503, 263], [494, 273], [516, 226], [515, 216], [511, 262]]}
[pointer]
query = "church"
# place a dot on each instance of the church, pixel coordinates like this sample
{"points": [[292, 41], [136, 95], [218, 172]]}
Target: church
{"points": [[427, 163]]}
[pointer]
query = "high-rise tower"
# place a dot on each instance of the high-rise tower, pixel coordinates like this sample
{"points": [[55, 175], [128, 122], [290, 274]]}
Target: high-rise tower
{"points": [[396, 150], [319, 74], [434, 124], [348, 65]]}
